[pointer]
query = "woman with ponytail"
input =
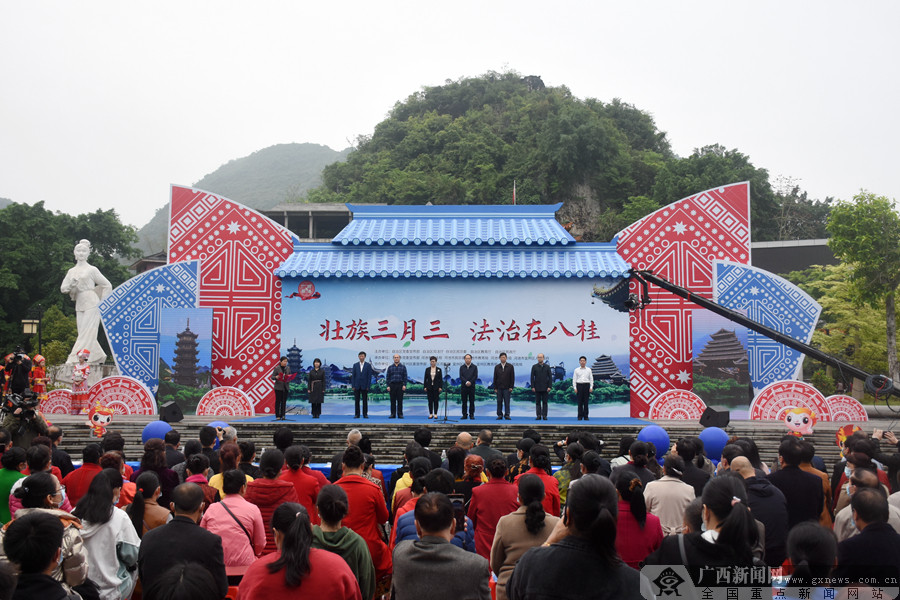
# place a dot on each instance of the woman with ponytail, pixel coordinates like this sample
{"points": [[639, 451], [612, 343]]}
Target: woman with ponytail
{"points": [[296, 570], [640, 458], [583, 563], [728, 533], [813, 553], [145, 511], [540, 466], [639, 533], [569, 471], [519, 531]]}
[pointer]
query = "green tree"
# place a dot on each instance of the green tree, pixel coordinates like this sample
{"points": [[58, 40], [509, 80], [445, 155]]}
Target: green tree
{"points": [[58, 333], [713, 166], [865, 233], [469, 141], [852, 335], [36, 247], [798, 216]]}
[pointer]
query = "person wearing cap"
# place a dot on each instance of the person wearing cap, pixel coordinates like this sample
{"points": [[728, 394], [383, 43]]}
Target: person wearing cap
{"points": [[37, 380]]}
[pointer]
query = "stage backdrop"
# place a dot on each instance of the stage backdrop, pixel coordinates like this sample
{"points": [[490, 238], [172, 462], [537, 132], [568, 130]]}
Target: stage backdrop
{"points": [[334, 319]]}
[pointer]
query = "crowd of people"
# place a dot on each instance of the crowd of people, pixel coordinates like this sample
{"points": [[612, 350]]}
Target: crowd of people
{"points": [[550, 520]]}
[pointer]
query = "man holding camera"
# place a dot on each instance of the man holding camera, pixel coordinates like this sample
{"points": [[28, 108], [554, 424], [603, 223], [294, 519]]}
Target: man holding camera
{"points": [[18, 367]]}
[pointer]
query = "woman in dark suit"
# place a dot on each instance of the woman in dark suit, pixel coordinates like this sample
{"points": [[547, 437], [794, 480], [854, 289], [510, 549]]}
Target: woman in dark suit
{"points": [[434, 382], [316, 385], [280, 378]]}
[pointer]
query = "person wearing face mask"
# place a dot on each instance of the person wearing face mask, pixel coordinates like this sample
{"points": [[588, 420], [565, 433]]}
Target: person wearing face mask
{"points": [[42, 493], [728, 531], [110, 539]]}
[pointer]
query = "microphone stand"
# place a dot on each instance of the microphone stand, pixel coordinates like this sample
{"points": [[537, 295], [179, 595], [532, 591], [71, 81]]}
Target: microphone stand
{"points": [[446, 419]]}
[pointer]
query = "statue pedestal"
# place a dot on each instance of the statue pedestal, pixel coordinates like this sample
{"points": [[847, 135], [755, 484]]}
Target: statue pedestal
{"points": [[62, 374]]}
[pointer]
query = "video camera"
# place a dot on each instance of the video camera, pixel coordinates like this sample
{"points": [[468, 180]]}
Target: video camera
{"points": [[28, 401]]}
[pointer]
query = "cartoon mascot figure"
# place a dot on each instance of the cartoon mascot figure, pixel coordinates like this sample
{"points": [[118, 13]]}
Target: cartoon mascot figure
{"points": [[800, 421], [98, 418]]}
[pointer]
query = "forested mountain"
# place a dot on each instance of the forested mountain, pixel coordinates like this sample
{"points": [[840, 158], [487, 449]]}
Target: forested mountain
{"points": [[268, 177], [469, 141]]}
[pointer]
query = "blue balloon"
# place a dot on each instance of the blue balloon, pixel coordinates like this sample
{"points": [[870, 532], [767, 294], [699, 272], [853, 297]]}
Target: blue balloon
{"points": [[155, 430], [658, 437], [714, 439], [221, 424]]}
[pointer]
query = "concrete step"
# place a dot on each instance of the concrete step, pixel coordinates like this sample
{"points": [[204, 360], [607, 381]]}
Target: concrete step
{"points": [[389, 440]]}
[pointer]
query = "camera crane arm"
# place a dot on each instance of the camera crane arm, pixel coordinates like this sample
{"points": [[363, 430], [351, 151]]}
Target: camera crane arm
{"points": [[875, 384]]}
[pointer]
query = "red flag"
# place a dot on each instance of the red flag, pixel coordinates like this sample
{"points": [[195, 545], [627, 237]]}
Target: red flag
{"points": [[514, 191]]}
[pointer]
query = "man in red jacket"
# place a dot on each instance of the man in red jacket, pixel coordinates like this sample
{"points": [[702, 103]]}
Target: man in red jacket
{"points": [[78, 481], [368, 510], [490, 501]]}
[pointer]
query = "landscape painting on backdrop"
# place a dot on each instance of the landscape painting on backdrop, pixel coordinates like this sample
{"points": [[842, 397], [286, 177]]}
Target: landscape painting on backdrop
{"points": [[447, 318]]}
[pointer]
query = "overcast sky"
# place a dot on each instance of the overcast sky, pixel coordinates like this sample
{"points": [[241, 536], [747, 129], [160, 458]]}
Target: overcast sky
{"points": [[104, 104]]}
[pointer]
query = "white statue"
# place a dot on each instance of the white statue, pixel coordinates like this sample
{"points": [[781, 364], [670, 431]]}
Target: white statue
{"points": [[87, 286]]}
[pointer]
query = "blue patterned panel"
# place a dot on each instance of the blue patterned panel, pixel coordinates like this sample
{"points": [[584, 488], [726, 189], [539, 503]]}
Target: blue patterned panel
{"points": [[772, 301], [131, 316]]}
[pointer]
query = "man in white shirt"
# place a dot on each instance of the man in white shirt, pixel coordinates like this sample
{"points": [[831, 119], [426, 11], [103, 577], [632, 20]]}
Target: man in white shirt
{"points": [[583, 384]]}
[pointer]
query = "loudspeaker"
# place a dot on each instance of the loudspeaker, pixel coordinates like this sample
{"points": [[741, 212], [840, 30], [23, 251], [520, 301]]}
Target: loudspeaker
{"points": [[170, 413], [714, 418]]}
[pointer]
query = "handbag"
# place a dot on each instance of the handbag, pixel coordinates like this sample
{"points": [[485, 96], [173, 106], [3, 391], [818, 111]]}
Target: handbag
{"points": [[236, 520]]}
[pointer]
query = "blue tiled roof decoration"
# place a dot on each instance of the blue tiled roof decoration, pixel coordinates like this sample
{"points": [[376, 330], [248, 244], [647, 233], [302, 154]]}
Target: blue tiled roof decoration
{"points": [[454, 241], [580, 260], [501, 225]]}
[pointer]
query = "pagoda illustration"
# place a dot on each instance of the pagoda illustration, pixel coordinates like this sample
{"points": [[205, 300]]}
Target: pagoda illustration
{"points": [[723, 357], [604, 369], [186, 358], [295, 358]]}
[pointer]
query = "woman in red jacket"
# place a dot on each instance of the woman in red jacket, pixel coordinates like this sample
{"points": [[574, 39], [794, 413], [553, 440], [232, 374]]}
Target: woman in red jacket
{"points": [[269, 491], [297, 570], [638, 533]]}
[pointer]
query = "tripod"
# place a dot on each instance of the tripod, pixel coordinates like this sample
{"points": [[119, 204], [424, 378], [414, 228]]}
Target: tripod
{"points": [[446, 419]]}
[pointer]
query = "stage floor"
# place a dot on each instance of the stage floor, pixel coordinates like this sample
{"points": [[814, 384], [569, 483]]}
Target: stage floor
{"points": [[488, 420]]}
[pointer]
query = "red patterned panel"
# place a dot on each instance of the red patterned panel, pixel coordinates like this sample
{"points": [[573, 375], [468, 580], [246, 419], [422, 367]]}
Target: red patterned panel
{"points": [[846, 408], [776, 398], [225, 402], [677, 404], [679, 242], [125, 395], [58, 402], [238, 250]]}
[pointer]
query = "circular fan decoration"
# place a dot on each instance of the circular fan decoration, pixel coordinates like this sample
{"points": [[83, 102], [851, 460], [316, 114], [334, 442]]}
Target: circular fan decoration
{"points": [[677, 404], [125, 395], [225, 402], [776, 398], [846, 408], [58, 402]]}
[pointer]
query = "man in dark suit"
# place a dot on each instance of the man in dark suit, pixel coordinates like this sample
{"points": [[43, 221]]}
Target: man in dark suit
{"points": [[504, 381], [468, 375], [875, 551], [483, 448], [173, 455], [182, 540], [802, 490], [431, 566], [360, 380], [541, 380], [422, 435], [59, 457]]}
